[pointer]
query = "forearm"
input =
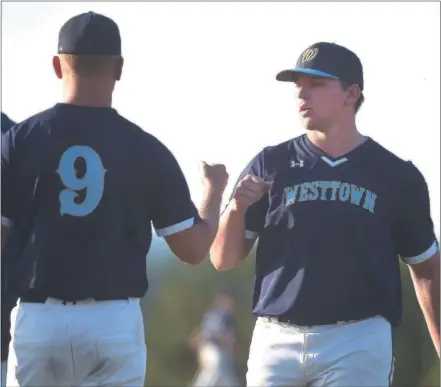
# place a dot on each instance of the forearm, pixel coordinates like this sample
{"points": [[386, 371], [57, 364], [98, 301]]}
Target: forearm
{"points": [[209, 212], [228, 248], [427, 289]]}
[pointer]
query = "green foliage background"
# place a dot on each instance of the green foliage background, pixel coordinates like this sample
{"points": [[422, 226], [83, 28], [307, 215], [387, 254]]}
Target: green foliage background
{"points": [[181, 294]]}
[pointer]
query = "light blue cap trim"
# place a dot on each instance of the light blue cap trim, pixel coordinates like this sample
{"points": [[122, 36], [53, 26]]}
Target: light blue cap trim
{"points": [[288, 75]]}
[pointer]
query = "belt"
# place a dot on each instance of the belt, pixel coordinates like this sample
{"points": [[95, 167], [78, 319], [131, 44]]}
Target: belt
{"points": [[42, 299], [287, 321]]}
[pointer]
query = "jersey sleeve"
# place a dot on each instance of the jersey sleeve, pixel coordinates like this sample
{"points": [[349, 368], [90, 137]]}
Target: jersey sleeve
{"points": [[414, 233], [7, 187], [256, 213], [6, 123], [172, 210]]}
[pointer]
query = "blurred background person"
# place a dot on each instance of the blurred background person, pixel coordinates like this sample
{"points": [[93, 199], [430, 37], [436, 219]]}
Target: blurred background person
{"points": [[214, 343]]}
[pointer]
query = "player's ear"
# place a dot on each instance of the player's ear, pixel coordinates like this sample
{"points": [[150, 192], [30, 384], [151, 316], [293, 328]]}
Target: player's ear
{"points": [[118, 68], [56, 63], [353, 93]]}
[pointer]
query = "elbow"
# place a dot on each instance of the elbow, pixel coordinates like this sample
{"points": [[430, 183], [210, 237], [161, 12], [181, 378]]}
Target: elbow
{"points": [[219, 266], [195, 254], [193, 259], [196, 260], [224, 268], [220, 263], [190, 246]]}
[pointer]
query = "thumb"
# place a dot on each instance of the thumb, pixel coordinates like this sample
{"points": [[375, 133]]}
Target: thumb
{"points": [[257, 179], [267, 186]]}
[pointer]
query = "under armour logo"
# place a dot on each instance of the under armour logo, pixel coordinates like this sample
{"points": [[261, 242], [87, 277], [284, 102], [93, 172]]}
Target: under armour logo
{"points": [[295, 164]]}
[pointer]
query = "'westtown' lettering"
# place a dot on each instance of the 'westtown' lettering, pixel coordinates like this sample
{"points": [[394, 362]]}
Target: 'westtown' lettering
{"points": [[331, 190]]}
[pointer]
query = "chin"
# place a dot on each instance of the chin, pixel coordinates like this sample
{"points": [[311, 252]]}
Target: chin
{"points": [[308, 124]]}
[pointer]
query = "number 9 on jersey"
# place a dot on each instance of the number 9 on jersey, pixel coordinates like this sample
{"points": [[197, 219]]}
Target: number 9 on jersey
{"points": [[92, 181]]}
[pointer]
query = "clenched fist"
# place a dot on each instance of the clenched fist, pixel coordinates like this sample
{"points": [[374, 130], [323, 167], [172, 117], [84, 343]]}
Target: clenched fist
{"points": [[214, 177], [249, 191]]}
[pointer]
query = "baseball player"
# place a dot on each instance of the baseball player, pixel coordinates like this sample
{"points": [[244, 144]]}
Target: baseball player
{"points": [[8, 300], [214, 342], [82, 187], [332, 210]]}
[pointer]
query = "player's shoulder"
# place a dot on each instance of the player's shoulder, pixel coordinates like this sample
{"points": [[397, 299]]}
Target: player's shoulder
{"points": [[270, 157], [142, 138], [33, 125], [273, 154], [29, 133], [138, 133], [6, 123], [396, 167]]}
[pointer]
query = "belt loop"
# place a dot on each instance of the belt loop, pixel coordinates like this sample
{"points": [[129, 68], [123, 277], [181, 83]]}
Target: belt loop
{"points": [[72, 302]]}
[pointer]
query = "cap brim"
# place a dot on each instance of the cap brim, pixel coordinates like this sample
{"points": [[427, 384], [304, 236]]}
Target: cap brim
{"points": [[289, 75]]}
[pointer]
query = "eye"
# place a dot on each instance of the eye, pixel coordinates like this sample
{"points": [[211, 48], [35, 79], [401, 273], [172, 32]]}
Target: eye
{"points": [[318, 82]]}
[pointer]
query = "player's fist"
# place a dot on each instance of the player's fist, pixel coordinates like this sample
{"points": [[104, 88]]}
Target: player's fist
{"points": [[214, 176], [249, 191]]}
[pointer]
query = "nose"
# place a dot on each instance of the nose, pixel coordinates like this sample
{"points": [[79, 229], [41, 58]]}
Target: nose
{"points": [[302, 92]]}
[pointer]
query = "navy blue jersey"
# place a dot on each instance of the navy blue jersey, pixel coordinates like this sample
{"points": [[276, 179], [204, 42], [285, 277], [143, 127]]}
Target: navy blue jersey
{"points": [[82, 187], [331, 230], [215, 324], [8, 300], [6, 123]]}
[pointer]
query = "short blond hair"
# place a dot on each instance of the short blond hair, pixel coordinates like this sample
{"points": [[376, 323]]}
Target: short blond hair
{"points": [[89, 65]]}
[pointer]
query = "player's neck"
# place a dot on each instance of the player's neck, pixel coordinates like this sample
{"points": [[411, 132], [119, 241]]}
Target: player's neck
{"points": [[90, 93], [337, 141]]}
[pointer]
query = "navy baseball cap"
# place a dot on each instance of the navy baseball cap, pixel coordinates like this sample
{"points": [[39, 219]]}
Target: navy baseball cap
{"points": [[89, 34], [327, 60]]}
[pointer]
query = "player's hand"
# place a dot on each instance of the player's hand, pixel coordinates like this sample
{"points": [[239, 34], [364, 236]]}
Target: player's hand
{"points": [[249, 191], [214, 177]]}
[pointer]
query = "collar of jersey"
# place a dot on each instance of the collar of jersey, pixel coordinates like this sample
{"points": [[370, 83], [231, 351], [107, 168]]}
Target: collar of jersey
{"points": [[330, 160]]}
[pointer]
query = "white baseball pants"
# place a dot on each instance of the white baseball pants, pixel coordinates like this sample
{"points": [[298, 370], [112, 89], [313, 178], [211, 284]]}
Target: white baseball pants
{"points": [[342, 355], [4, 369], [87, 344]]}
